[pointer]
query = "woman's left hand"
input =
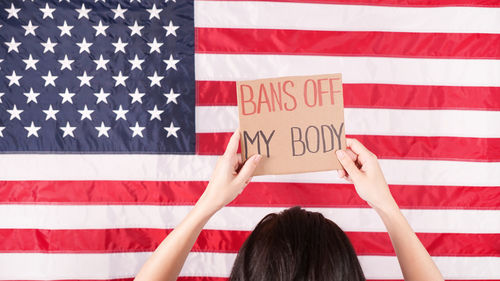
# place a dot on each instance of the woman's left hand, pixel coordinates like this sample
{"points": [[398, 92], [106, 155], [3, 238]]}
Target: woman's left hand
{"points": [[229, 177]]}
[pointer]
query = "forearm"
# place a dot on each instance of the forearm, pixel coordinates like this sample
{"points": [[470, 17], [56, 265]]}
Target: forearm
{"points": [[229, 178], [167, 260], [414, 260]]}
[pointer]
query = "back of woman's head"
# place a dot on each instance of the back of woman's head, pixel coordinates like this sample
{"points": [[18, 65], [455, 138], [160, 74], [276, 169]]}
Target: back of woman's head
{"points": [[297, 245]]}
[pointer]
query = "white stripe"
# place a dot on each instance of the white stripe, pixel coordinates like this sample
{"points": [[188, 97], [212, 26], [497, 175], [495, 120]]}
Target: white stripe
{"points": [[199, 168], [409, 71], [32, 266], [389, 122], [105, 167], [306, 16], [233, 218]]}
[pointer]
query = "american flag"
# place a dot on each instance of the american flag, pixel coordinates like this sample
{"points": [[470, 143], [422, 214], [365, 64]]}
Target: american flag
{"points": [[106, 145]]}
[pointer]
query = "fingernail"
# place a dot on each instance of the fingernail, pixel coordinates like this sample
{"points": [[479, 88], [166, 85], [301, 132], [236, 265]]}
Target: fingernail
{"points": [[340, 154], [257, 158]]}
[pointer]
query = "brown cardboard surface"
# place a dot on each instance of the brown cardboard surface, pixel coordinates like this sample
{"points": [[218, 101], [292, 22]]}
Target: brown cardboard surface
{"points": [[296, 123]]}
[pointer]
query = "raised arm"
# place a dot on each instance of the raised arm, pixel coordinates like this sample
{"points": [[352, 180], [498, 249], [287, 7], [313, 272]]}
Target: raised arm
{"points": [[362, 169], [225, 184]]}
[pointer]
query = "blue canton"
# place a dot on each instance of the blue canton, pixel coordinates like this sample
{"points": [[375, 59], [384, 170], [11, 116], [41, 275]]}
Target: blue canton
{"points": [[99, 76]]}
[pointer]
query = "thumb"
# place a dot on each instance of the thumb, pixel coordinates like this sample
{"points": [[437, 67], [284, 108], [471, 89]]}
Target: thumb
{"points": [[248, 168], [348, 164]]}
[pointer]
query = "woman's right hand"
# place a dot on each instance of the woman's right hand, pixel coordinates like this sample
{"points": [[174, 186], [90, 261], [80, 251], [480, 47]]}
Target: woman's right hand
{"points": [[363, 170]]}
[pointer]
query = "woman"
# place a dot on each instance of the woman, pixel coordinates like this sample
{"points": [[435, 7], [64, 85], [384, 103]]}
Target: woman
{"points": [[294, 245]]}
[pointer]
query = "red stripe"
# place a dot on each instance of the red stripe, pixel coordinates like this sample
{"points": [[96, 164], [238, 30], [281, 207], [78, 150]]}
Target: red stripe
{"points": [[396, 3], [347, 43], [140, 240], [394, 147], [378, 96], [256, 194]]}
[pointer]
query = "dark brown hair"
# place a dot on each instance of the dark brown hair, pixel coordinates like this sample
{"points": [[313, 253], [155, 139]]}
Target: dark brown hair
{"points": [[297, 245]]}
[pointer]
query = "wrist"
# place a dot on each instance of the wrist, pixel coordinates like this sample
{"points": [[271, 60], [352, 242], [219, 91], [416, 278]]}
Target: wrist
{"points": [[387, 208], [207, 204]]}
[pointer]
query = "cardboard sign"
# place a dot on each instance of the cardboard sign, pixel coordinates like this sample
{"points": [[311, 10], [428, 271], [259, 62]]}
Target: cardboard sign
{"points": [[296, 123]]}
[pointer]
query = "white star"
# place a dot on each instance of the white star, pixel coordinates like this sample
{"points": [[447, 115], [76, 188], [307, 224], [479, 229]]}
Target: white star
{"points": [[68, 130], [136, 29], [1, 95], [12, 11], [100, 29], [1, 60], [171, 28], [155, 113], [30, 63], [119, 46], [84, 79], [50, 79], [103, 130], [66, 63], [136, 63], [120, 79], [1, 131], [32, 130], [67, 96], [171, 63], [51, 113], [155, 46], [65, 29], [83, 12], [154, 12], [31, 96], [48, 46], [171, 97], [30, 29], [84, 46], [47, 11], [101, 63], [155, 80], [119, 12], [101, 96], [14, 79], [137, 130], [85, 112], [120, 113], [136, 96], [15, 113], [172, 131], [13, 45]]}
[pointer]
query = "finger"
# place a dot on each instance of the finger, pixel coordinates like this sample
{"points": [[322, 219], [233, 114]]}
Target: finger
{"points": [[351, 154], [234, 141], [359, 149], [341, 173], [248, 168], [247, 182], [238, 156], [237, 164], [348, 179], [348, 164]]}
